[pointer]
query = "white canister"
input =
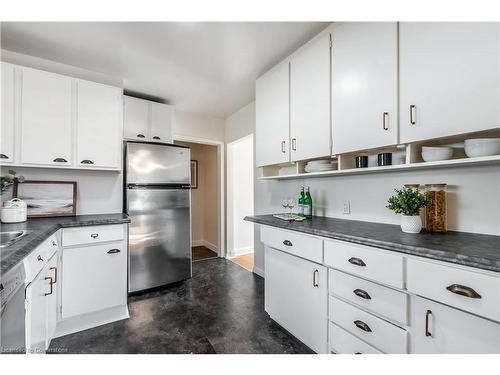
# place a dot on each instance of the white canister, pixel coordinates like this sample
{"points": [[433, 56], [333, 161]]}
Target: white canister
{"points": [[14, 211]]}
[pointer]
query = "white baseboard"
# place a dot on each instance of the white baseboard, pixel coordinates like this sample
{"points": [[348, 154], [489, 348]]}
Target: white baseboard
{"points": [[207, 244], [240, 251], [258, 271]]}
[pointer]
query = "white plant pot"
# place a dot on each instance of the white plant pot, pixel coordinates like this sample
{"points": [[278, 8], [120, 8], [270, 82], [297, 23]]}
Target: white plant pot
{"points": [[411, 224]]}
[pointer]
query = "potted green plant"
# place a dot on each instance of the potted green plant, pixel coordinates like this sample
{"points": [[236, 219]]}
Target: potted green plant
{"points": [[408, 202]]}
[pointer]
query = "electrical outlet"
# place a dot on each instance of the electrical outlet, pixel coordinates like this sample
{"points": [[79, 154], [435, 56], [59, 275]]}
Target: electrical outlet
{"points": [[347, 207]]}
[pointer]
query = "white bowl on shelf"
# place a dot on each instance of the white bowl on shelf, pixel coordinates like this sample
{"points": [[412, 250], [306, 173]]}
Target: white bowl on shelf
{"points": [[482, 147], [436, 153]]}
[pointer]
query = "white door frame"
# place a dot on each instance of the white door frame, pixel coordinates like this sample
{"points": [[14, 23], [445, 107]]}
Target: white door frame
{"points": [[230, 190], [220, 161]]}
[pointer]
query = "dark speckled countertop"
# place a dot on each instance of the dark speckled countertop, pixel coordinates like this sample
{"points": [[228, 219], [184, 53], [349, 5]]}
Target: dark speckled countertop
{"points": [[467, 249], [42, 228]]}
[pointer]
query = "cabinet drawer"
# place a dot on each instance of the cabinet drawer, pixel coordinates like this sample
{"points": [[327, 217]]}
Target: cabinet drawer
{"points": [[35, 261], [94, 234], [365, 261], [451, 331], [297, 244], [94, 278], [466, 290], [383, 335], [342, 342], [377, 298]]}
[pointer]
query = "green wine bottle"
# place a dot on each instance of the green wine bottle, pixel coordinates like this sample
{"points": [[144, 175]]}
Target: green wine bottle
{"points": [[301, 202], [308, 202]]}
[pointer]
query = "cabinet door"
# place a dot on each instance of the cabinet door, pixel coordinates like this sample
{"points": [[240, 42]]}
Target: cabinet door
{"points": [[8, 110], [99, 125], [51, 270], [296, 297], [135, 118], [161, 122], [451, 331], [45, 118], [364, 86], [36, 313], [449, 73], [272, 116], [310, 127], [94, 278]]}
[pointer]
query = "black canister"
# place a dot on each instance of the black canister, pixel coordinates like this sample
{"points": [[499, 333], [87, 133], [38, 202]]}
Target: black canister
{"points": [[384, 159], [361, 161]]}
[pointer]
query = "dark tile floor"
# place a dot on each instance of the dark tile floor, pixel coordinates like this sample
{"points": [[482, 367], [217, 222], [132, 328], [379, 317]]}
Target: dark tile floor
{"points": [[219, 310], [202, 253]]}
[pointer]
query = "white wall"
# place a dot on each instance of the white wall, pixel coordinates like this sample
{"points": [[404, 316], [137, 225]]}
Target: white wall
{"points": [[240, 202], [197, 126], [241, 123]]}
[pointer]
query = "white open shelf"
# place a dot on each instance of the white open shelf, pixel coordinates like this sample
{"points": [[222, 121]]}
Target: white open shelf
{"points": [[486, 160]]}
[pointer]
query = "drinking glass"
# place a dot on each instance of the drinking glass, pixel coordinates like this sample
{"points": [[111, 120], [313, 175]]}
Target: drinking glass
{"points": [[291, 205], [284, 203]]}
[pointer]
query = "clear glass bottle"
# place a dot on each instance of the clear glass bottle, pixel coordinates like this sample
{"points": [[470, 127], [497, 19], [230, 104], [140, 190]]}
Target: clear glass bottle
{"points": [[435, 212]]}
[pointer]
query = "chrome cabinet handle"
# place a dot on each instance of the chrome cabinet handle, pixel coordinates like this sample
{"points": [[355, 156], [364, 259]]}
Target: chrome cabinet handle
{"points": [[362, 326], [315, 282], [361, 293], [385, 117], [94, 235], [55, 273], [39, 258], [51, 287], [287, 243], [113, 251], [463, 291], [54, 243], [294, 144], [357, 262], [3, 156], [87, 161], [283, 147], [427, 314], [60, 160], [156, 137], [140, 136], [413, 114]]}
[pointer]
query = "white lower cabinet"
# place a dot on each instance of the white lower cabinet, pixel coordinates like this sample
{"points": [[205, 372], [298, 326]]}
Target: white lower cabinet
{"points": [[36, 313], [442, 329], [51, 271], [296, 297], [342, 342], [94, 278]]}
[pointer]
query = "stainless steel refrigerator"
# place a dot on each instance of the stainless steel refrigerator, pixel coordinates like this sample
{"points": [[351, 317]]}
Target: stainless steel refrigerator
{"points": [[157, 199]]}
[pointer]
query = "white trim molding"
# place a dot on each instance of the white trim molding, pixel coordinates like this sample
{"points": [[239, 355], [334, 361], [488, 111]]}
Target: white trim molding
{"points": [[258, 271]]}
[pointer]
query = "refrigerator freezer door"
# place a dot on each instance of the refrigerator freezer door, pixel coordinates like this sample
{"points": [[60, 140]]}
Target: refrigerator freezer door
{"points": [[157, 164], [159, 237]]}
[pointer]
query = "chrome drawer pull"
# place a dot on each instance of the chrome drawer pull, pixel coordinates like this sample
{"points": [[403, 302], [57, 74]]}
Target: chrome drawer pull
{"points": [[140, 136], [463, 291], [113, 251], [94, 235], [87, 161], [156, 137], [357, 262], [427, 314], [287, 243], [60, 160], [361, 293], [362, 326], [39, 258], [3, 156]]}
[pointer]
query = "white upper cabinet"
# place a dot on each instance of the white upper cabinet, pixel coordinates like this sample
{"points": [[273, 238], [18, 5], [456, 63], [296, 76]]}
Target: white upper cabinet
{"points": [[272, 93], [8, 111], [135, 118], [449, 79], [364, 86], [147, 121], [161, 122], [310, 100], [46, 116], [99, 125]]}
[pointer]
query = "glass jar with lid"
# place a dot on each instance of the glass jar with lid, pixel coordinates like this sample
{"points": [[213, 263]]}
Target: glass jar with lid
{"points": [[435, 212]]}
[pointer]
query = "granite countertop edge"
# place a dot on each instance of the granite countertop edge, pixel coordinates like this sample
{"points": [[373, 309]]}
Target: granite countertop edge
{"points": [[42, 228], [420, 251]]}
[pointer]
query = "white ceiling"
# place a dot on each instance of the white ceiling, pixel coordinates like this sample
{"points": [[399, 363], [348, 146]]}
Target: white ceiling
{"points": [[199, 67]]}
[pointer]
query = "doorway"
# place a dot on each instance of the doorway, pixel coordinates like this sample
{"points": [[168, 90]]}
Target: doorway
{"points": [[205, 198], [240, 202]]}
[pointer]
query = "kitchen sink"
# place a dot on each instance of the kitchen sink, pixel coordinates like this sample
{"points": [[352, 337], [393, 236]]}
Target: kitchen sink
{"points": [[8, 238]]}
